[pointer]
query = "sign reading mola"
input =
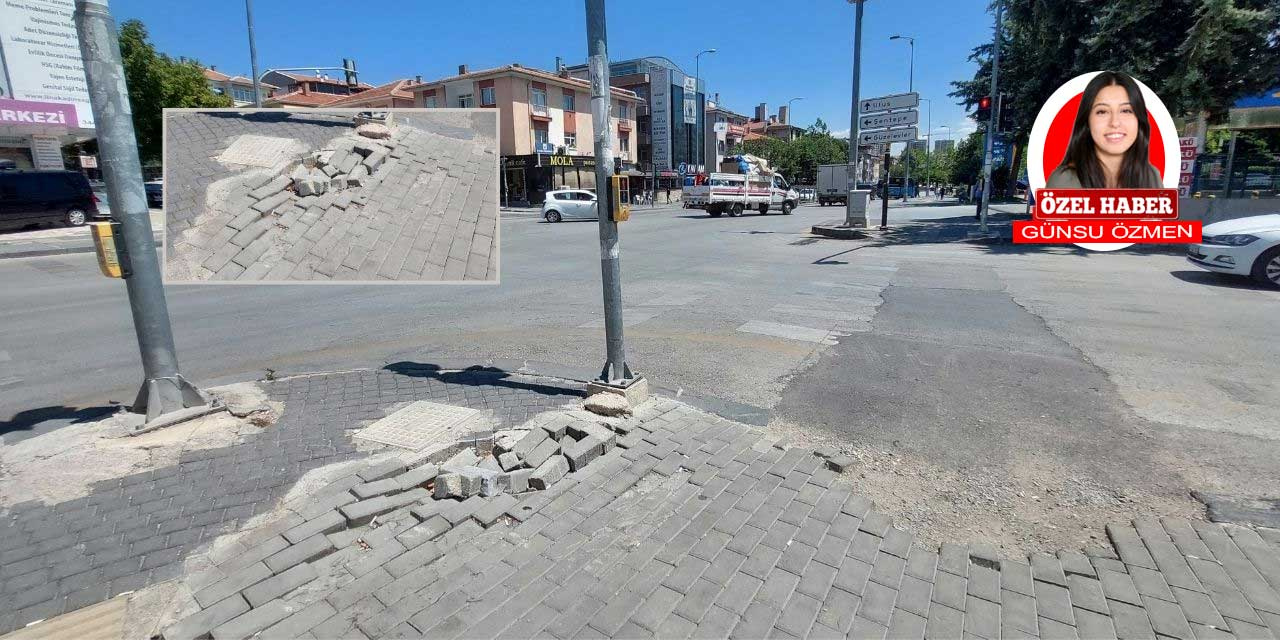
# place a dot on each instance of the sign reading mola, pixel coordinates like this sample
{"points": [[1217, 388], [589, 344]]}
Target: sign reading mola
{"points": [[888, 135], [888, 103], [896, 119]]}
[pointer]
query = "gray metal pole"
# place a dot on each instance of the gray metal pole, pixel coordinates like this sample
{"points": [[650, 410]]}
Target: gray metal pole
{"points": [[163, 389], [991, 124], [1231, 161], [615, 367], [911, 86], [928, 144], [853, 113], [253, 53]]}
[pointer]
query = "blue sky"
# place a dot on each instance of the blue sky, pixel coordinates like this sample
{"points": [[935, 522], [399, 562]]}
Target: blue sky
{"points": [[767, 51]]}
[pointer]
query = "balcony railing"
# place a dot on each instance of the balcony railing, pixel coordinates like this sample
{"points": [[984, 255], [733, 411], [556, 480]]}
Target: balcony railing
{"points": [[540, 110]]}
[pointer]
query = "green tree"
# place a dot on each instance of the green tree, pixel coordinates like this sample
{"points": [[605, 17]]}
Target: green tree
{"points": [[798, 159], [966, 161], [157, 81]]}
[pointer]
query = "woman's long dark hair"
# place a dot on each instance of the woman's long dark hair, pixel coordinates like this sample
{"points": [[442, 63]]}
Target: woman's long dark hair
{"points": [[1082, 155]]}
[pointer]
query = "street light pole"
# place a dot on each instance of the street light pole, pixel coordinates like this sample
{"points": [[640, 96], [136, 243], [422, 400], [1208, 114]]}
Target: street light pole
{"points": [[164, 390], [615, 370], [253, 54], [853, 116], [697, 86], [991, 123], [911, 75], [928, 143]]}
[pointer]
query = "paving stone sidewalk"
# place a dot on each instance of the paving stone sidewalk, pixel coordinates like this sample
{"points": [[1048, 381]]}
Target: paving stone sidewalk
{"points": [[419, 206], [135, 531], [692, 527]]}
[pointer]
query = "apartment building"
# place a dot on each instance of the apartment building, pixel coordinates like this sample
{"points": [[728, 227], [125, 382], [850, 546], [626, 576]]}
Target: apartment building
{"points": [[726, 129], [299, 90], [238, 88], [545, 125]]}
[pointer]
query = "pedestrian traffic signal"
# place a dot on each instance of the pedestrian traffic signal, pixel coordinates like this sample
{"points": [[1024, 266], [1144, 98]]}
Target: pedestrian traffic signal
{"points": [[984, 110]]}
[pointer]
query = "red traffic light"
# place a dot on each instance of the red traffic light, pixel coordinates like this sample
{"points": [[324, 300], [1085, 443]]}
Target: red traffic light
{"points": [[984, 102]]}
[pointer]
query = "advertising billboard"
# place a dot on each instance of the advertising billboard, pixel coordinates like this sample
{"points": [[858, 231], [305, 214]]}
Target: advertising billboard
{"points": [[660, 124], [41, 54]]}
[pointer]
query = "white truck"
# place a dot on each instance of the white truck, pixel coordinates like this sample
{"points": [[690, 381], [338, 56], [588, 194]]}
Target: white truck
{"points": [[735, 193], [833, 184]]}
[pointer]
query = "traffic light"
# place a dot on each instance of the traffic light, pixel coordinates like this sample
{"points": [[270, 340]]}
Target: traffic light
{"points": [[349, 68], [984, 110], [1007, 115]]}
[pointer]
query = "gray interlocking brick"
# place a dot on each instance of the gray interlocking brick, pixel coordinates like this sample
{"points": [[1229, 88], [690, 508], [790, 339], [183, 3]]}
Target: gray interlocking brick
{"points": [[1090, 624], [314, 547], [329, 522], [251, 622], [1053, 601], [199, 625], [232, 584], [1018, 614], [301, 621], [278, 585]]}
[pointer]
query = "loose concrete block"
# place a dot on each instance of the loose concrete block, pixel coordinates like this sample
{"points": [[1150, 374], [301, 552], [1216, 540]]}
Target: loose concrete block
{"points": [[276, 586], [493, 485], [365, 147], [556, 426], [417, 476], [358, 176], [375, 159], [505, 441], [200, 624], [457, 485], [329, 522], [490, 463], [539, 455], [360, 513], [518, 481], [233, 583], [608, 439], [608, 404], [375, 130], [424, 531], [549, 472], [376, 488], [529, 442], [509, 461], [348, 163], [839, 463], [271, 202], [384, 469], [582, 452], [276, 185], [464, 458], [490, 512], [314, 547]]}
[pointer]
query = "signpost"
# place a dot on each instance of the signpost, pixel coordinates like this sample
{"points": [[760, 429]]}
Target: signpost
{"points": [[888, 119]]}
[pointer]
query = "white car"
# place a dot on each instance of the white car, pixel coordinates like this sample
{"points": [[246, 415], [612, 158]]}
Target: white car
{"points": [[569, 204], [1244, 246]]}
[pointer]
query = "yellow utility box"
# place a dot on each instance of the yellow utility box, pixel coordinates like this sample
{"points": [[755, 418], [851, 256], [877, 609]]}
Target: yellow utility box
{"points": [[619, 201], [113, 260]]}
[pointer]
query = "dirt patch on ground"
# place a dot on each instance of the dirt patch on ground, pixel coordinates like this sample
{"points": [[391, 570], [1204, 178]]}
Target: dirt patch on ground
{"points": [[1027, 507], [62, 464]]}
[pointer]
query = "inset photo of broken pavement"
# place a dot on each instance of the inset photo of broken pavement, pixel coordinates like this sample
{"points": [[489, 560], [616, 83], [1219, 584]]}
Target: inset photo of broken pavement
{"points": [[270, 195]]}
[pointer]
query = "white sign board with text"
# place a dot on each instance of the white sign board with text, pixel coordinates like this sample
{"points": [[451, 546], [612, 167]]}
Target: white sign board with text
{"points": [[897, 119], [888, 135], [660, 120], [889, 103], [42, 54]]}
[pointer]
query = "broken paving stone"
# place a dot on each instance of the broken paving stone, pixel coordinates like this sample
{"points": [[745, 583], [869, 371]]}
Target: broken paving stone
{"points": [[465, 458], [530, 442], [839, 463], [491, 463], [582, 452], [358, 176], [504, 441], [825, 452], [457, 484], [549, 472], [542, 452], [607, 404], [517, 481], [509, 461], [374, 130]]}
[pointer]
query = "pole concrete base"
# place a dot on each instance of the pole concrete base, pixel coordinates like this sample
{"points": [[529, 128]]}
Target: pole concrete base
{"points": [[635, 391], [160, 396], [856, 213]]}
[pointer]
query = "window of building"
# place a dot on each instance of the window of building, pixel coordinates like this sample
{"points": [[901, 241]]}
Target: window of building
{"points": [[538, 97], [624, 142], [571, 140], [218, 89], [720, 147], [568, 102], [465, 101], [242, 94], [624, 111], [430, 102], [540, 136], [486, 97]]}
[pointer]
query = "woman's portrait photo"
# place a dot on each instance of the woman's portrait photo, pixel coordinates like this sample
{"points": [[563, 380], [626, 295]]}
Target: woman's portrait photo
{"points": [[1110, 139]]}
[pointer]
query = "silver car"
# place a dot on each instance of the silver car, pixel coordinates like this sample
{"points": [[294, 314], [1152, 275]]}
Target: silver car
{"points": [[569, 204]]}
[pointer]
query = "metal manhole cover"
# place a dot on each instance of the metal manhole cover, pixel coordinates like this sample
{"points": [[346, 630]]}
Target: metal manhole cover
{"points": [[260, 151], [420, 424]]}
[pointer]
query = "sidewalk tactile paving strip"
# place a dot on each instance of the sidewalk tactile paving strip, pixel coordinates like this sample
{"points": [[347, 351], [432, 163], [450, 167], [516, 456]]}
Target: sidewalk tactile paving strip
{"points": [[420, 425]]}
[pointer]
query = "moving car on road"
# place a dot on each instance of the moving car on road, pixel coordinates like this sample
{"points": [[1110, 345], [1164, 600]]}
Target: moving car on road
{"points": [[569, 204], [32, 197], [155, 194], [1244, 246]]}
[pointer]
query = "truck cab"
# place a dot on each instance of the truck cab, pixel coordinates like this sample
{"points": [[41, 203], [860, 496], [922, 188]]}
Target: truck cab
{"points": [[735, 193]]}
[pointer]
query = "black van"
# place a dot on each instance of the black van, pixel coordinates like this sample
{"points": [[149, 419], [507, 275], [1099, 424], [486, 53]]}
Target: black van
{"points": [[31, 197]]}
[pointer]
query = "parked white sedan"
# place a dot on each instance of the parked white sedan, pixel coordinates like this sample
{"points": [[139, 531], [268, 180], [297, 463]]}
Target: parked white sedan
{"points": [[569, 204], [1244, 246]]}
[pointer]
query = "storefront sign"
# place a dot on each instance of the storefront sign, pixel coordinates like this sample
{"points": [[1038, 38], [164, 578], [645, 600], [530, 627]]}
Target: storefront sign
{"points": [[25, 113], [88, 162], [1187, 149], [42, 56], [46, 153]]}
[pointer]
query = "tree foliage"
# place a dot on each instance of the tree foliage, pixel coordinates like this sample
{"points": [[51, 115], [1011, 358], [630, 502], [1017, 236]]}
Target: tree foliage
{"points": [[1197, 55], [157, 81], [798, 159]]}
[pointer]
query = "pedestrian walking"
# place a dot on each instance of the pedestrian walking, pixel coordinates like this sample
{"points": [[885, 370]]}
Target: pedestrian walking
{"points": [[977, 200]]}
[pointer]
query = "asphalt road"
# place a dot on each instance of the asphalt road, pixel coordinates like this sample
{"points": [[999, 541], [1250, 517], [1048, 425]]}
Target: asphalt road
{"points": [[998, 374]]}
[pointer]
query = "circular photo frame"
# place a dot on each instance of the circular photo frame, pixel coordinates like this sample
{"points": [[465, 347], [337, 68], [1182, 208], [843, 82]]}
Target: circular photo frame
{"points": [[1051, 132]]}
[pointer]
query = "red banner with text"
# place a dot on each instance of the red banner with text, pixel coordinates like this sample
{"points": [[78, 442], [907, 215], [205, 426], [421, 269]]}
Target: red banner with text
{"points": [[1068, 216]]}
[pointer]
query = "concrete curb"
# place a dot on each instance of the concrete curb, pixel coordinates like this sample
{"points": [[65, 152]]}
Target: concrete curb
{"points": [[839, 231]]}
